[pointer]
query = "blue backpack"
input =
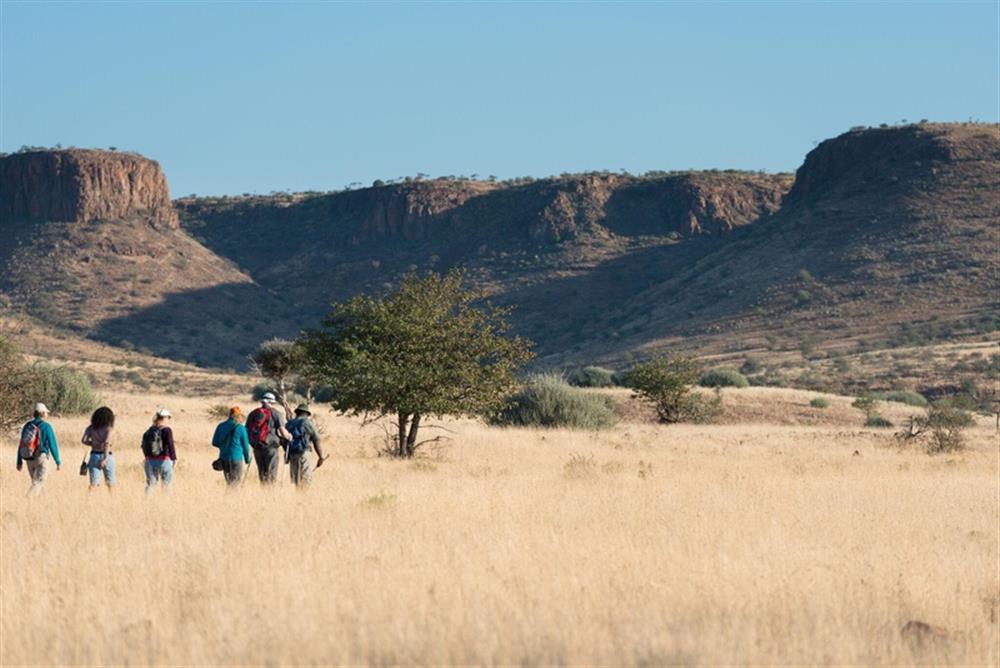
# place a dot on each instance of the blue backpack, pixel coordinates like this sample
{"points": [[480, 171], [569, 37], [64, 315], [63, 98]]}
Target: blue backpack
{"points": [[300, 436]]}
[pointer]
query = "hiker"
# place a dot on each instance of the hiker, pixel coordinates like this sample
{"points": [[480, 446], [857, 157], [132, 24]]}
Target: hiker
{"points": [[37, 444], [304, 440], [234, 447], [266, 432], [158, 448], [98, 436]]}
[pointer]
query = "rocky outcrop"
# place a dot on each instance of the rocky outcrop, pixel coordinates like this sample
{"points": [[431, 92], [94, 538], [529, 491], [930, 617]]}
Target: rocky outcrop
{"points": [[78, 185]]}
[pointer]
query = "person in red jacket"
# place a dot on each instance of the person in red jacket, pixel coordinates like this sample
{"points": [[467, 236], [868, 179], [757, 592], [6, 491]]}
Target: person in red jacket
{"points": [[159, 450]]}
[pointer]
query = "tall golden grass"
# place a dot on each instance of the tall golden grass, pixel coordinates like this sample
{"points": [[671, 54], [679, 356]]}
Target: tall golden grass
{"points": [[685, 545]]}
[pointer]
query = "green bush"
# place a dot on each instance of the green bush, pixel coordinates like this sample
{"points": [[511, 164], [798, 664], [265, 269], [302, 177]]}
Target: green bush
{"points": [[820, 402], [878, 422], [723, 377], [902, 397], [666, 383], [65, 391], [547, 400], [592, 376]]}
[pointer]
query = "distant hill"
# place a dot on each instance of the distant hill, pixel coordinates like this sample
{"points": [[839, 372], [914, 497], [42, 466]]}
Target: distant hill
{"points": [[882, 234]]}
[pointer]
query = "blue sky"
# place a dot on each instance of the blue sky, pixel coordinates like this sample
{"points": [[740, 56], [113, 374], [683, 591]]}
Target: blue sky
{"points": [[253, 97]]}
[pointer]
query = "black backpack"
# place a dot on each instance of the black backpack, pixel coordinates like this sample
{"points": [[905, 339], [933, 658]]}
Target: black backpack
{"points": [[152, 442]]}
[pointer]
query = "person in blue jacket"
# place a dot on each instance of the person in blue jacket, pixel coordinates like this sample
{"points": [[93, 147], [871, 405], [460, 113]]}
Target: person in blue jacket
{"points": [[38, 443], [234, 446]]}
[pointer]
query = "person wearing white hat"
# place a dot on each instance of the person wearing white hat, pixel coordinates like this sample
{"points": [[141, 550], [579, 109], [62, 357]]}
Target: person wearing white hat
{"points": [[159, 450], [38, 443], [266, 430]]}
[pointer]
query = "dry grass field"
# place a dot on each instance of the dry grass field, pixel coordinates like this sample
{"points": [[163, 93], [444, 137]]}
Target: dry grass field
{"points": [[762, 541]]}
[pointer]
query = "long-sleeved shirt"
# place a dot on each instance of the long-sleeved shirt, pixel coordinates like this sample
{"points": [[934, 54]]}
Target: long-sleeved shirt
{"points": [[47, 442], [169, 452], [232, 441]]}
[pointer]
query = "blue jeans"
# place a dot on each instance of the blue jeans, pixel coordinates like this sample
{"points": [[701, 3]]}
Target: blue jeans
{"points": [[95, 470], [158, 470]]}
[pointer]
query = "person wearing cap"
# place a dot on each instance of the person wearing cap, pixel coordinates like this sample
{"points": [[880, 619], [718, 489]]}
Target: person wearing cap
{"points": [[159, 450], [305, 439], [234, 447], [48, 447], [266, 431]]}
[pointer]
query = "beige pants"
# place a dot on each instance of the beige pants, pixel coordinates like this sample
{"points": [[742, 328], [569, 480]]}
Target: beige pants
{"points": [[37, 469], [301, 467]]}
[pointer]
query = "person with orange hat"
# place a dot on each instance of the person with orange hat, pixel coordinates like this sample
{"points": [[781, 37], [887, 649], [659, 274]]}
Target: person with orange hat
{"points": [[234, 446]]}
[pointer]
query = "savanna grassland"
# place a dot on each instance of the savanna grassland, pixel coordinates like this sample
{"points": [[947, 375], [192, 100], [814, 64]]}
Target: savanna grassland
{"points": [[784, 536]]}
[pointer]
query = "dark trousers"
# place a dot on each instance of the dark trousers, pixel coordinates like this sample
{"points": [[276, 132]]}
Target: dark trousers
{"points": [[233, 471], [268, 460]]}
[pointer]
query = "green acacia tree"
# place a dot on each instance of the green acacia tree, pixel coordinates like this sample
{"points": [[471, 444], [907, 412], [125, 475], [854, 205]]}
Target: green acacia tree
{"points": [[426, 349], [666, 383]]}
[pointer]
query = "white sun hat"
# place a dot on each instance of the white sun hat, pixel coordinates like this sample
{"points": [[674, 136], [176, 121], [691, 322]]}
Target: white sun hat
{"points": [[268, 398], [41, 408], [163, 412]]}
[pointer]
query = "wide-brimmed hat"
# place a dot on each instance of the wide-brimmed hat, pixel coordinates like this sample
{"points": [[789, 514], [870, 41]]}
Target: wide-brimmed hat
{"points": [[303, 408]]}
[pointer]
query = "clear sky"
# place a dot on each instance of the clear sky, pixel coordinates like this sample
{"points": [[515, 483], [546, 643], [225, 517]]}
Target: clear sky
{"points": [[254, 97]]}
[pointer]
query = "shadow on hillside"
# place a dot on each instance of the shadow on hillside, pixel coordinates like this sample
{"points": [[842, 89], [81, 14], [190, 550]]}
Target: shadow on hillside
{"points": [[568, 314], [213, 327]]}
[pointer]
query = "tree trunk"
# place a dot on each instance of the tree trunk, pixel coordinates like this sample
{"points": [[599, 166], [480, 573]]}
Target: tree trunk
{"points": [[411, 439], [403, 419], [282, 397]]}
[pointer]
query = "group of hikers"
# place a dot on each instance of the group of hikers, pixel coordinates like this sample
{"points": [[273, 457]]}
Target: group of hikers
{"points": [[262, 433]]}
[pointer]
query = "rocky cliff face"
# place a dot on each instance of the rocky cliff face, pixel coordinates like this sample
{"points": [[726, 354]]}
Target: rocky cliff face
{"points": [[84, 185]]}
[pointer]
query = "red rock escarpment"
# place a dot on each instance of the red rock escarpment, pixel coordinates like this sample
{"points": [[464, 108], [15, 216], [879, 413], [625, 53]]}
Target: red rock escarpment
{"points": [[79, 185]]}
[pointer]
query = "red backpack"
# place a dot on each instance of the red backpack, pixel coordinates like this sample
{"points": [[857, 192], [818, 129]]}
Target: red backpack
{"points": [[259, 425], [31, 440]]}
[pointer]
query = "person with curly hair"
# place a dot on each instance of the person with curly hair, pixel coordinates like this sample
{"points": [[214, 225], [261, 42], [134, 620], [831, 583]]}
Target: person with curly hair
{"points": [[97, 435]]}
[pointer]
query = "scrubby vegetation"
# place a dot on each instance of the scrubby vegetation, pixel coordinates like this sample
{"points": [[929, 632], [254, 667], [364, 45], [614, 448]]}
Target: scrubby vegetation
{"points": [[15, 385], [547, 400], [666, 383], [723, 377], [942, 427], [592, 376], [820, 402], [64, 390], [902, 397]]}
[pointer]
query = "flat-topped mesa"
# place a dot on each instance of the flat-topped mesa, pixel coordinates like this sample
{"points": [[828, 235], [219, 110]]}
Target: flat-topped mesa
{"points": [[81, 185]]}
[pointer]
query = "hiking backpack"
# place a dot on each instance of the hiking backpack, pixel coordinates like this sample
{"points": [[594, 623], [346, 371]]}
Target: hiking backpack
{"points": [[31, 440], [259, 426], [152, 442], [300, 437]]}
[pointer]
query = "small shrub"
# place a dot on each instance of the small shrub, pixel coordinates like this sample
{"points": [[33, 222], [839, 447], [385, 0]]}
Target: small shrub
{"points": [[666, 383], [903, 397], [592, 376], [218, 412], [820, 402], [723, 377], [580, 466], [381, 500], [878, 422], [866, 403], [751, 366], [944, 424], [65, 391], [547, 400]]}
